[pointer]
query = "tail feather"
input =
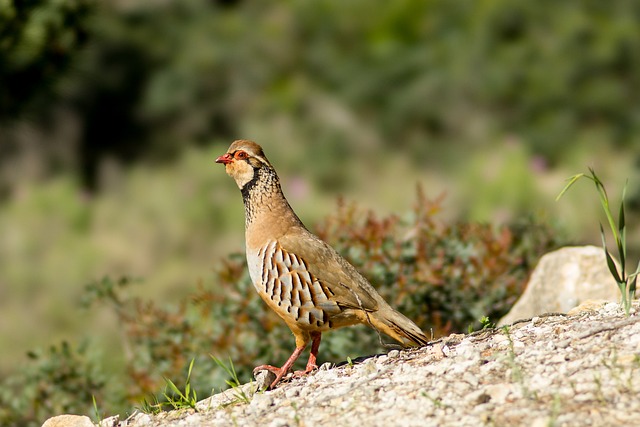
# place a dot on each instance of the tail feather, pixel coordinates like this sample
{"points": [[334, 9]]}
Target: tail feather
{"points": [[398, 327]]}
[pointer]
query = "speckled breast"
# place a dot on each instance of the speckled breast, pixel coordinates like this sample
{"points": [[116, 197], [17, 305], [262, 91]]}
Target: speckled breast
{"points": [[284, 282]]}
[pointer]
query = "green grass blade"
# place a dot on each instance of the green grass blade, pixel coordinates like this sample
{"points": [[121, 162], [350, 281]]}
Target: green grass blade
{"points": [[174, 388], [187, 389], [233, 371], [222, 365], [612, 268], [571, 180], [604, 201], [610, 263], [622, 243], [637, 272], [95, 408], [634, 278]]}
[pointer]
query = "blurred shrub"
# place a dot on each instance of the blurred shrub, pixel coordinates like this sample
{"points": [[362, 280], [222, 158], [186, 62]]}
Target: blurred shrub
{"points": [[410, 74], [444, 276], [38, 39], [61, 380]]}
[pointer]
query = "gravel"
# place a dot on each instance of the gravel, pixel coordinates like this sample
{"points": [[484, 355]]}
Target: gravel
{"points": [[556, 370]]}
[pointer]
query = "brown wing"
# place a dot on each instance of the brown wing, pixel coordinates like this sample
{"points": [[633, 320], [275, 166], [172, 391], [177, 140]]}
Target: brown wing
{"points": [[347, 287], [293, 291]]}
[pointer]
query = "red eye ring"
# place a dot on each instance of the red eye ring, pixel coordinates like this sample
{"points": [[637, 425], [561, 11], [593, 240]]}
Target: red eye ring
{"points": [[241, 155]]}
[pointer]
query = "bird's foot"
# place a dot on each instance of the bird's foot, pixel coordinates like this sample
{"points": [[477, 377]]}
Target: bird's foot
{"points": [[281, 372], [310, 368]]}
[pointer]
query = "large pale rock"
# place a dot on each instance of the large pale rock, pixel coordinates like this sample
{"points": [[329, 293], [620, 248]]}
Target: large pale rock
{"points": [[562, 280], [68, 421]]}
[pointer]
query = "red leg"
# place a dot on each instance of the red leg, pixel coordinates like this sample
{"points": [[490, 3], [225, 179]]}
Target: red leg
{"points": [[281, 372], [313, 356]]}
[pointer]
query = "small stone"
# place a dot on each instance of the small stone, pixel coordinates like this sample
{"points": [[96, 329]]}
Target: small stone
{"points": [[325, 366], [264, 379], [113, 421], [139, 419], [483, 398], [68, 421], [393, 354], [446, 351], [588, 306], [611, 307]]}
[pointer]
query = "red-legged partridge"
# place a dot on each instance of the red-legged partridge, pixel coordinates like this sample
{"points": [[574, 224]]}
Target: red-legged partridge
{"points": [[305, 281]]}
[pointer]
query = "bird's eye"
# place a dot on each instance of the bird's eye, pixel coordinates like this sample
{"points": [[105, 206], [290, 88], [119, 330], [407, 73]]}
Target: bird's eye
{"points": [[241, 155]]}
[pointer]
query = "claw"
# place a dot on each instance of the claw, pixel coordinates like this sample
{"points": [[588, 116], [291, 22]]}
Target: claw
{"points": [[310, 368], [281, 372]]}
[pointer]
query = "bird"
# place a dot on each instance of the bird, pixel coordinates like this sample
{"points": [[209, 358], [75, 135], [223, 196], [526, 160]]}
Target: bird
{"points": [[298, 275]]}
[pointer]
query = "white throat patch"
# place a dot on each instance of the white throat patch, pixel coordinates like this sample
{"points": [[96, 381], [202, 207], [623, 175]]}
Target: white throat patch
{"points": [[241, 172]]}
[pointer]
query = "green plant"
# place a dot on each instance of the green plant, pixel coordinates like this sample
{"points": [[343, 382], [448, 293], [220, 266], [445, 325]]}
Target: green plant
{"points": [[234, 381], [626, 282], [63, 379], [152, 405], [442, 275], [96, 412], [485, 323], [176, 398]]}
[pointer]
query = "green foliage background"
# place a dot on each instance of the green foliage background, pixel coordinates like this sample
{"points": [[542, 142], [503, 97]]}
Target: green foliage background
{"points": [[111, 114]]}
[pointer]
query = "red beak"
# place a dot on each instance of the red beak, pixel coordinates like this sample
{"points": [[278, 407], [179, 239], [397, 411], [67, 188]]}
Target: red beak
{"points": [[225, 158]]}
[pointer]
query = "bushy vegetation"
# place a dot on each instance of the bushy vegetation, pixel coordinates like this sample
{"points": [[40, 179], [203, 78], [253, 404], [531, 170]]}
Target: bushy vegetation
{"points": [[61, 380], [444, 276]]}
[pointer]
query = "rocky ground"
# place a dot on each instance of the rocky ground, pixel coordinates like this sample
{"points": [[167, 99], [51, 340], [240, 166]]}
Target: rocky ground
{"points": [[580, 369]]}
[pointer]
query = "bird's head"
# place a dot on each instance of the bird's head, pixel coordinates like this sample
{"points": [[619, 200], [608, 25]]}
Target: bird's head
{"points": [[243, 160]]}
